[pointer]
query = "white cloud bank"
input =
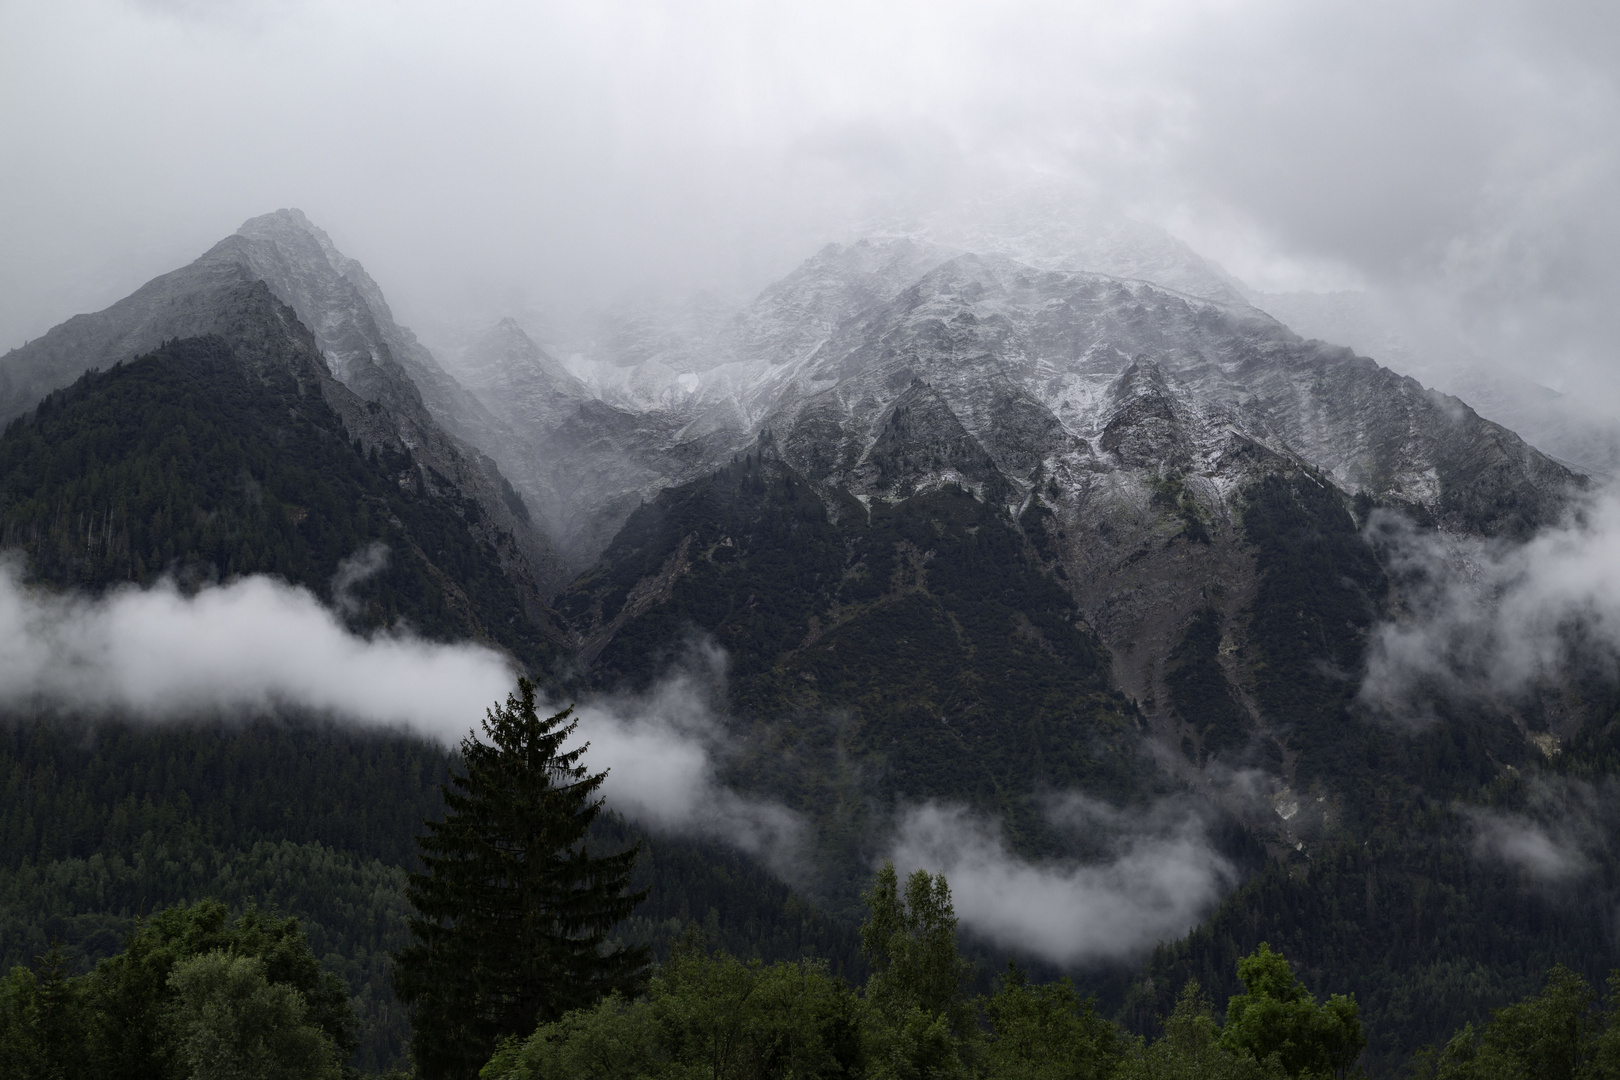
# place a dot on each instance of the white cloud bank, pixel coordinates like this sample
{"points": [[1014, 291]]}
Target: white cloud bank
{"points": [[663, 750], [1494, 620], [1162, 878], [258, 644], [252, 645]]}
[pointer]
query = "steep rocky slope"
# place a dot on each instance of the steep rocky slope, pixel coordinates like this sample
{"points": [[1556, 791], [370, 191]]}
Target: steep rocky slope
{"points": [[236, 452], [688, 382], [1024, 355], [1576, 428], [354, 331], [583, 463], [1074, 375]]}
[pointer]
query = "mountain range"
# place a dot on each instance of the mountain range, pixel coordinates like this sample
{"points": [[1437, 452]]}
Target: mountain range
{"points": [[981, 513]]}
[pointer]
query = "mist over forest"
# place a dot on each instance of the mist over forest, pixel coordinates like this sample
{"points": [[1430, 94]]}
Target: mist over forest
{"points": [[1150, 465]]}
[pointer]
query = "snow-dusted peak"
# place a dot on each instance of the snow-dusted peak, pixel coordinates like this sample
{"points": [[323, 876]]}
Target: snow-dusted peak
{"points": [[489, 365], [1052, 228], [832, 285], [1076, 374], [331, 292], [1040, 375]]}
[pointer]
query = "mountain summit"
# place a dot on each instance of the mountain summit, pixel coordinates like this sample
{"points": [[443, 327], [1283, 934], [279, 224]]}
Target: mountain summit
{"points": [[364, 350]]}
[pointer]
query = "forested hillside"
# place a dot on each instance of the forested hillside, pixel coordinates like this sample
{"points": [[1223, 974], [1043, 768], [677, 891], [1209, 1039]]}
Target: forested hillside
{"points": [[910, 651], [101, 823], [209, 460], [926, 640], [1398, 889], [197, 463]]}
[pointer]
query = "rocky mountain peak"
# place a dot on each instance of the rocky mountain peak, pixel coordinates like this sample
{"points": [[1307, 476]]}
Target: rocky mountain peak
{"points": [[515, 378], [289, 228], [1058, 375], [921, 444], [1051, 228], [1144, 430], [359, 343]]}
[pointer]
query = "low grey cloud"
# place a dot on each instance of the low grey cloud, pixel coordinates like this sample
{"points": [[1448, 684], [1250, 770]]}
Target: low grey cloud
{"points": [[1493, 618], [664, 750], [253, 645], [367, 562], [1528, 845], [1161, 877], [257, 645], [1556, 833]]}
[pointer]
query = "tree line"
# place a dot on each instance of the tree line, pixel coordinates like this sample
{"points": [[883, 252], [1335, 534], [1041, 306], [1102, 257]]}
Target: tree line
{"points": [[511, 973], [103, 822], [511, 976]]}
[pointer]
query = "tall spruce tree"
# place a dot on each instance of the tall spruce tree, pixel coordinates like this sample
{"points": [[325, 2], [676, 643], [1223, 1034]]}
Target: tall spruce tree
{"points": [[511, 908]]}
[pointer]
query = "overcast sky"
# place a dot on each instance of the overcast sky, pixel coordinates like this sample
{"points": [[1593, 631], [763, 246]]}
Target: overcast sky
{"points": [[509, 153]]}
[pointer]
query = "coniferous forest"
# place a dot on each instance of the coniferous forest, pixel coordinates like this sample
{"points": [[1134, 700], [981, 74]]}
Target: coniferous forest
{"points": [[197, 988]]}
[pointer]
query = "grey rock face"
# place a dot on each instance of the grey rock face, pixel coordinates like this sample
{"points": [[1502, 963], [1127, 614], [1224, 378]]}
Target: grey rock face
{"points": [[371, 353], [1068, 373], [517, 379], [920, 440], [1059, 375], [1143, 429], [685, 386], [366, 351], [791, 318]]}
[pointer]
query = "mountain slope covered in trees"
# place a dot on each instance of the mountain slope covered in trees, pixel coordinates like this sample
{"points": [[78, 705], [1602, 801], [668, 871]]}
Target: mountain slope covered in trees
{"points": [[217, 457]]}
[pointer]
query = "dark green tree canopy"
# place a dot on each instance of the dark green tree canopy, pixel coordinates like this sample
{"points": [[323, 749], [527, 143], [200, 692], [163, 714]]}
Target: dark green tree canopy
{"points": [[1554, 1035], [910, 941], [1276, 1015], [152, 1013], [511, 907]]}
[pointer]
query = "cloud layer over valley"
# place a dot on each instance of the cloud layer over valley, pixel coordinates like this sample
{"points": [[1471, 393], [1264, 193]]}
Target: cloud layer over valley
{"points": [[1161, 877], [249, 646], [258, 645]]}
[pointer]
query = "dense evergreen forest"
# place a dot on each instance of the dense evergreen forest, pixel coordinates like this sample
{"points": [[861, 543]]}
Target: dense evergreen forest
{"points": [[196, 463], [917, 651], [101, 823]]}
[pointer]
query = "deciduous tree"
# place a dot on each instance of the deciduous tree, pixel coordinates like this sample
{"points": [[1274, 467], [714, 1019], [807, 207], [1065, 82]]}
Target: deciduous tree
{"points": [[1277, 1016]]}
